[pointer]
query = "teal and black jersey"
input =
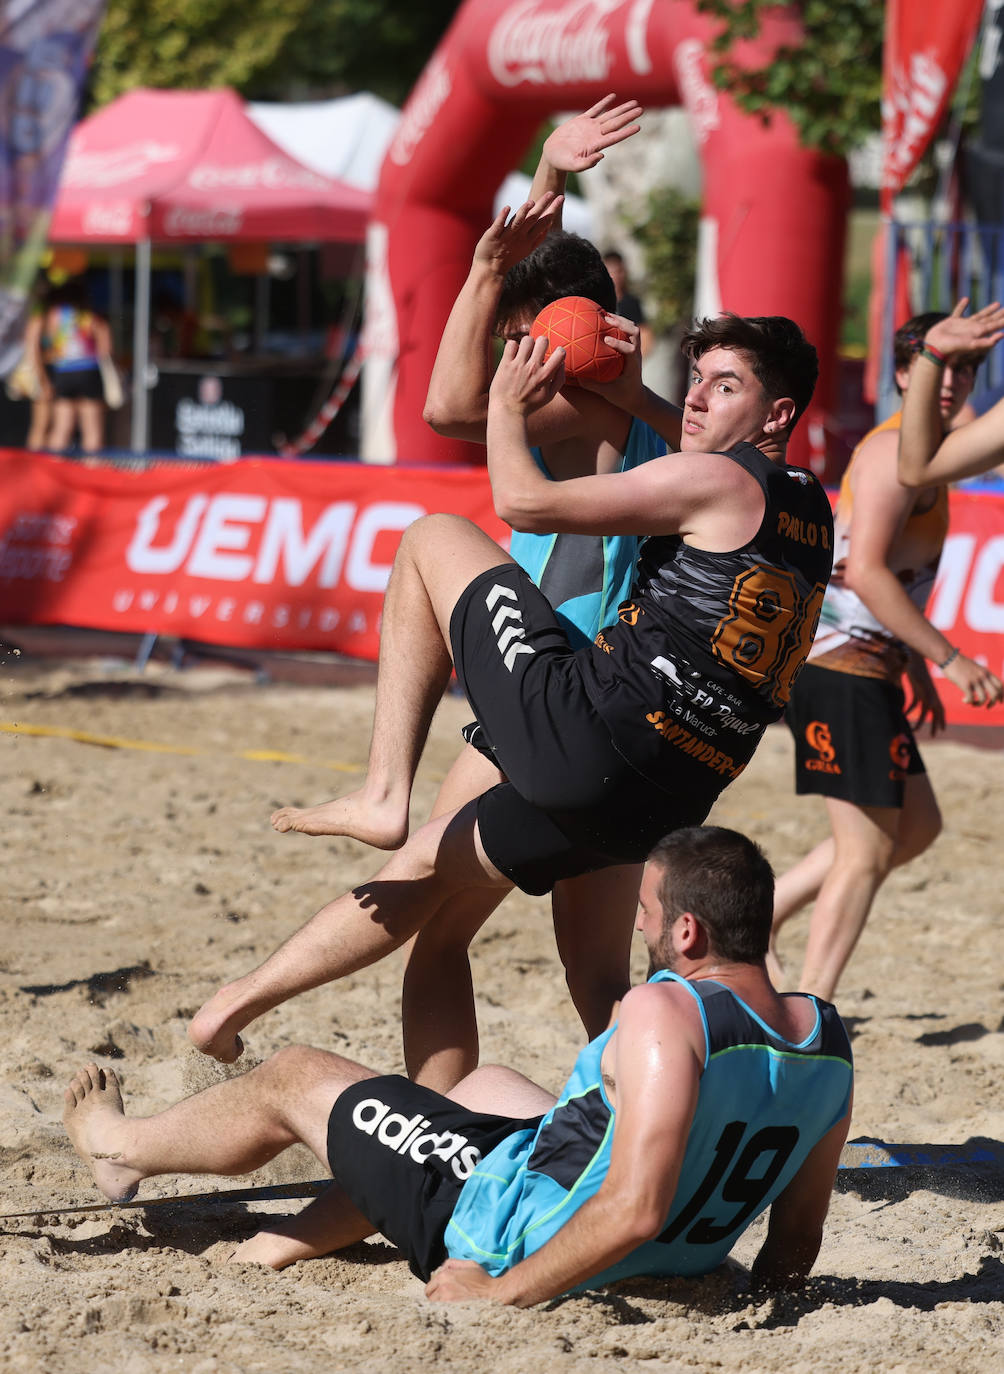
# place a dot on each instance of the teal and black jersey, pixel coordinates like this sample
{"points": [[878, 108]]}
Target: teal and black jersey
{"points": [[585, 577], [763, 1104]]}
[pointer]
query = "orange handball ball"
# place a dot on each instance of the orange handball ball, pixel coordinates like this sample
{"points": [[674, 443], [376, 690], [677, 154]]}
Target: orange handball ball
{"points": [[576, 324]]}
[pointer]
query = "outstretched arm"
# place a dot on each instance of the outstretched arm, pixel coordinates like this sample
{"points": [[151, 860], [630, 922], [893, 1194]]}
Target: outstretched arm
{"points": [[925, 455], [795, 1230], [457, 400], [657, 1071]]}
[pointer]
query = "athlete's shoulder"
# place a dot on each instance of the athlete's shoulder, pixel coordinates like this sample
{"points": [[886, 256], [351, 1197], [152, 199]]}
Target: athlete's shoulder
{"points": [[666, 1004]]}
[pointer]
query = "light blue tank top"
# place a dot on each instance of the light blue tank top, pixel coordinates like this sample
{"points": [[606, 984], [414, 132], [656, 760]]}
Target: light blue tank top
{"points": [[763, 1103], [586, 576]]}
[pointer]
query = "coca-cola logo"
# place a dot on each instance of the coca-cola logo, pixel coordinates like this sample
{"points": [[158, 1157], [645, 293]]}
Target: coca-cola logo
{"points": [[90, 168], [696, 91], [113, 221], [552, 46], [271, 174], [184, 221], [424, 105]]}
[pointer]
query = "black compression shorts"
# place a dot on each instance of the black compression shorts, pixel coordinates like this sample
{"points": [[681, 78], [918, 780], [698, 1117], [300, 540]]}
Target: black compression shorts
{"points": [[77, 384], [852, 739], [571, 803], [403, 1152]]}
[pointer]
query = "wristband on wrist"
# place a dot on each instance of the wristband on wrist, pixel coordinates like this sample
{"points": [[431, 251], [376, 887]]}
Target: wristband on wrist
{"points": [[949, 660], [933, 355]]}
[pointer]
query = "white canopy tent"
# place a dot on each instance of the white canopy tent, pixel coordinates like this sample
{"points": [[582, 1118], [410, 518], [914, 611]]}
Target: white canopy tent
{"points": [[346, 139]]}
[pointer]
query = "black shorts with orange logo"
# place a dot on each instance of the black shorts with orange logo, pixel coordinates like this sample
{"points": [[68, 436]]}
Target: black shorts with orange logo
{"points": [[853, 741]]}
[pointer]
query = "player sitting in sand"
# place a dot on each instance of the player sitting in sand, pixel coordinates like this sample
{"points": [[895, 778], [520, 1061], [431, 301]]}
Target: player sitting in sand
{"points": [[712, 1098]]}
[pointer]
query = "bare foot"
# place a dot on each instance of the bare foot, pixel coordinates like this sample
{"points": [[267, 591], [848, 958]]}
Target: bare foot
{"points": [[274, 1249], [214, 1027], [93, 1117], [380, 824]]}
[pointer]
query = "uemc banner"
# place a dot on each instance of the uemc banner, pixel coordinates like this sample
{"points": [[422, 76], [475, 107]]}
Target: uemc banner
{"points": [[967, 603], [273, 555], [262, 554]]}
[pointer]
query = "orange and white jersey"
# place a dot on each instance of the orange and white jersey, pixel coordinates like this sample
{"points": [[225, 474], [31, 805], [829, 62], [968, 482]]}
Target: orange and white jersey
{"points": [[849, 638]]}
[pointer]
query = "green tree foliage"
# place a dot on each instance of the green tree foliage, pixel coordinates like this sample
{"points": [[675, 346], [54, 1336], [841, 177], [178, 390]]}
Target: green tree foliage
{"points": [[267, 49], [667, 233], [829, 86]]}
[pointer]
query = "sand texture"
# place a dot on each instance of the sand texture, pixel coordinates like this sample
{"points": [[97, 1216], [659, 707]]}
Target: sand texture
{"points": [[137, 880]]}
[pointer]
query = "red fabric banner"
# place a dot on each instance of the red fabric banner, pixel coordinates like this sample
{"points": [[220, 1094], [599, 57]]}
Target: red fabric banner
{"points": [[280, 555], [967, 603], [264, 553], [925, 49]]}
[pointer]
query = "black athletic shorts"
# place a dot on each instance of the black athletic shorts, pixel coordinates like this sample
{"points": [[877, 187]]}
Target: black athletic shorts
{"points": [[77, 384], [852, 740], [403, 1152], [571, 803]]}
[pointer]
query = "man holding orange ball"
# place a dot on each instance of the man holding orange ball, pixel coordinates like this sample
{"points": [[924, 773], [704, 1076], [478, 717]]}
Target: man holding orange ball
{"points": [[605, 748]]}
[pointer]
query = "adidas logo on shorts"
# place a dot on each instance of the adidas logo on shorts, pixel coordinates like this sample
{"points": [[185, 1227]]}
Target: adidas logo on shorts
{"points": [[507, 625], [410, 1136]]}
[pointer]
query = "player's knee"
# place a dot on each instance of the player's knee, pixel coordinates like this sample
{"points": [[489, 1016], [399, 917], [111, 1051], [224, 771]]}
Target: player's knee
{"points": [[432, 529], [920, 836], [285, 1062]]}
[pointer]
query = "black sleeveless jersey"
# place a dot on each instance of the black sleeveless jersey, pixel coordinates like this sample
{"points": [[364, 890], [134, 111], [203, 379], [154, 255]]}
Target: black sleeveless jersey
{"points": [[703, 656]]}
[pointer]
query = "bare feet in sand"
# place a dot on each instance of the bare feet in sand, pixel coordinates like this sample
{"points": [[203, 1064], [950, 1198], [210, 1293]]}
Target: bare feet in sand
{"points": [[94, 1121], [274, 1248], [380, 824], [214, 1027]]}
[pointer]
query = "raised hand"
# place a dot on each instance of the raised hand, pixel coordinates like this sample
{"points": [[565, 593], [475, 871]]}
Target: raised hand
{"points": [[578, 143], [960, 333], [507, 240]]}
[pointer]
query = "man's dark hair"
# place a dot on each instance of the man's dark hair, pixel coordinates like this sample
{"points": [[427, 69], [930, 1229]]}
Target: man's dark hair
{"points": [[782, 359], [614, 255], [563, 265], [724, 879], [909, 337]]}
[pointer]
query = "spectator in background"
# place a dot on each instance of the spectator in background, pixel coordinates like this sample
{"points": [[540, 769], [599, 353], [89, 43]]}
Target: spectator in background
{"points": [[66, 351], [628, 304]]}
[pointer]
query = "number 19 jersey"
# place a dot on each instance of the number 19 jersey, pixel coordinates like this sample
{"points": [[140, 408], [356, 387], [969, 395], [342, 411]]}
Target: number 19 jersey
{"points": [[703, 655], [763, 1104]]}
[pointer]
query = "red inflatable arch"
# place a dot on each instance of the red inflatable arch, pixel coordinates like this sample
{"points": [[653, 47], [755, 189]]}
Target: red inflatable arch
{"points": [[774, 213]]}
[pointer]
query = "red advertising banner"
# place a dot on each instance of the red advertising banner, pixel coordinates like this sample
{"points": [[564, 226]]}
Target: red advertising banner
{"points": [[263, 554], [967, 603], [277, 555], [925, 49]]}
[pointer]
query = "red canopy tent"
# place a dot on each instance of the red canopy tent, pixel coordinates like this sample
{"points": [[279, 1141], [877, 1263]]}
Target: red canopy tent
{"points": [[190, 166]]}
